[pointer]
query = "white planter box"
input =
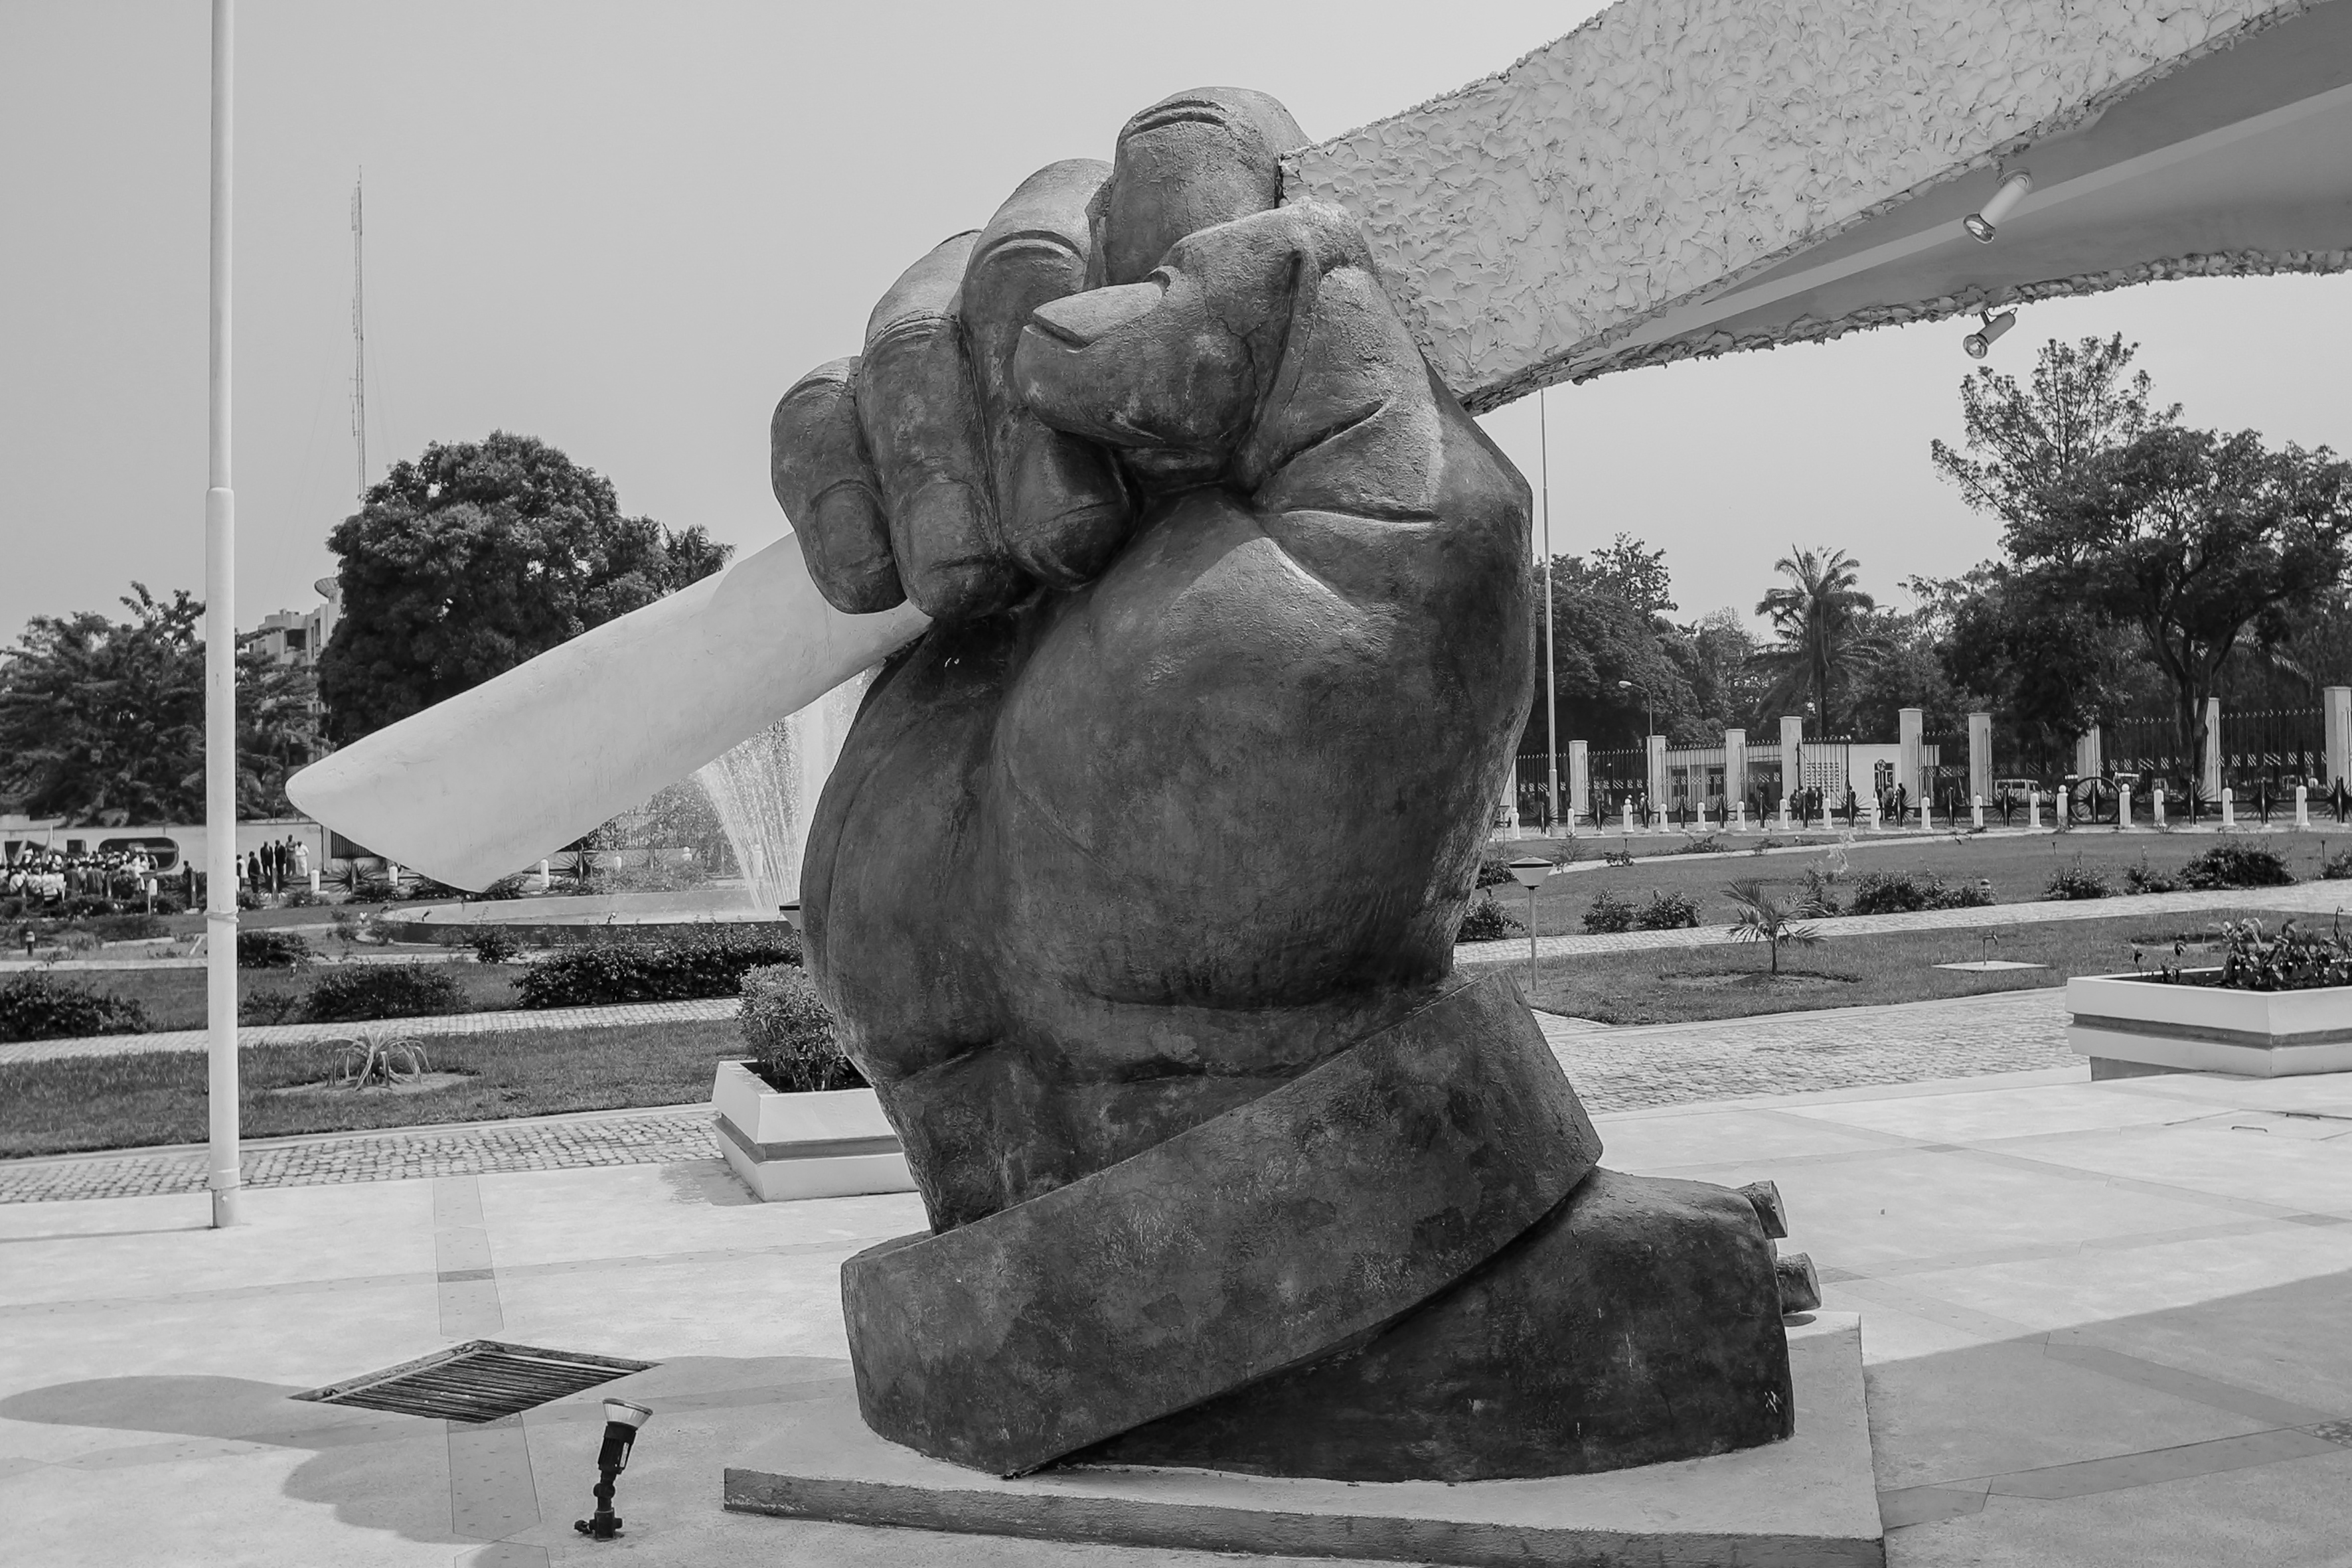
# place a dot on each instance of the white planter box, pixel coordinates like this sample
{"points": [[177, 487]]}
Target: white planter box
{"points": [[2128, 1026], [834, 1145]]}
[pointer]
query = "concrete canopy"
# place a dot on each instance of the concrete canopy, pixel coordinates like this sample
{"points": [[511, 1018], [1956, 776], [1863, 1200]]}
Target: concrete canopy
{"points": [[1688, 177]]}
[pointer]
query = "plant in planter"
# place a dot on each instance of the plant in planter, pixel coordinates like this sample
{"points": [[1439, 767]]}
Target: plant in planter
{"points": [[792, 1032], [797, 1121], [2279, 1002]]}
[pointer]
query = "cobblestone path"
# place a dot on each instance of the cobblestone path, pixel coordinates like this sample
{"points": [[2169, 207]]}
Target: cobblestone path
{"points": [[2307, 898], [644, 1137], [311, 1033], [1613, 1070]]}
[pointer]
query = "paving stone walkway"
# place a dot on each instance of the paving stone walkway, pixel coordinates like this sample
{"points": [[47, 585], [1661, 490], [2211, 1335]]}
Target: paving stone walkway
{"points": [[1613, 1070], [505, 1022], [639, 1137]]}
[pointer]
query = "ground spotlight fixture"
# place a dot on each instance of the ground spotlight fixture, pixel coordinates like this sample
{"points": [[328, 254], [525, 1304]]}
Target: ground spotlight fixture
{"points": [[622, 1420], [1980, 343], [2014, 190]]}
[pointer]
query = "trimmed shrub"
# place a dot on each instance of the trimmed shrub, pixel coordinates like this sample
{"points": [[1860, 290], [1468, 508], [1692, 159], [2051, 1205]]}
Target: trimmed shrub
{"points": [[1905, 893], [510, 886], [1486, 920], [496, 944], [271, 950], [1608, 914], [258, 1007], [40, 1007], [2337, 868], [707, 963], [1666, 911], [796, 1041], [2228, 865], [2145, 878], [2077, 882], [136, 926], [354, 993]]}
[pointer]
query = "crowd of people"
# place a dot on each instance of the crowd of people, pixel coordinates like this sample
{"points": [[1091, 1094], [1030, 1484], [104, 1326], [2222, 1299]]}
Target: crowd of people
{"points": [[44, 874], [278, 866], [51, 875]]}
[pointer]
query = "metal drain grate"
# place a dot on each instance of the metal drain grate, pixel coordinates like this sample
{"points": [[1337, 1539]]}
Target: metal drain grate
{"points": [[481, 1380]]}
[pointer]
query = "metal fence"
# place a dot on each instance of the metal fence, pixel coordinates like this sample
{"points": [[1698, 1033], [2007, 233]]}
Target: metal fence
{"points": [[1613, 776], [2270, 751]]}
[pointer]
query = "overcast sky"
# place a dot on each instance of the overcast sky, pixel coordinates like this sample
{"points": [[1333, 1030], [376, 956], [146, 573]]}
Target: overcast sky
{"points": [[625, 228]]}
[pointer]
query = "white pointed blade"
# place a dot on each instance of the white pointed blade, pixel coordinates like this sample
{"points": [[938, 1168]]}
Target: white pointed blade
{"points": [[495, 778]]}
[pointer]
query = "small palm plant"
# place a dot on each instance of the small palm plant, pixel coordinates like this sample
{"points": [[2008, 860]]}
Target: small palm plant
{"points": [[1766, 918]]}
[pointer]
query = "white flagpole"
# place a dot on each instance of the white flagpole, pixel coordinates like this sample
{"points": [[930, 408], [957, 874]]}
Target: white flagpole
{"points": [[220, 667]]}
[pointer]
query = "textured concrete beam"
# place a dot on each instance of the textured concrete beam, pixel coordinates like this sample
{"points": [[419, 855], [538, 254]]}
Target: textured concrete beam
{"points": [[1681, 177]]}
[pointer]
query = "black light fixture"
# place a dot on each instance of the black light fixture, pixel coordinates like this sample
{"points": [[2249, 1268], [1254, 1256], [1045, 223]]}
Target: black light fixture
{"points": [[1980, 343], [622, 1420]]}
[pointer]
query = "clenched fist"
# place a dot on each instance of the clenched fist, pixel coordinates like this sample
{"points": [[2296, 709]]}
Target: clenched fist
{"points": [[1183, 792]]}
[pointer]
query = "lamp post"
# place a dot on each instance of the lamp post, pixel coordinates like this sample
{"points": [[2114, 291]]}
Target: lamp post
{"points": [[1649, 727], [622, 1420], [1649, 709], [1532, 875], [1551, 665]]}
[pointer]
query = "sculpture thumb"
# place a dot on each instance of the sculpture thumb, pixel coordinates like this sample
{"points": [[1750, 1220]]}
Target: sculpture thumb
{"points": [[493, 779]]}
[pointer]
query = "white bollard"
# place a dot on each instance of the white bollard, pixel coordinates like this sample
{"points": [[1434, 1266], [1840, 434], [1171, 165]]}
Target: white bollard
{"points": [[2123, 808], [1739, 817], [2302, 805], [2156, 804], [1976, 811], [1788, 815], [2034, 808], [546, 878], [2229, 807], [314, 881], [1625, 821]]}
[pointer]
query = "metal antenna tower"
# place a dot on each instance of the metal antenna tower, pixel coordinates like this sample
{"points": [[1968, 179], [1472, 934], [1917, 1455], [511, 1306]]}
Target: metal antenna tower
{"points": [[358, 342]]}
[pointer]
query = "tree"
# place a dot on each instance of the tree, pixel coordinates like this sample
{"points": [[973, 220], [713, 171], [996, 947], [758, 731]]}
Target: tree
{"points": [[102, 722], [1610, 626], [2192, 537], [2035, 444], [2045, 670], [476, 557], [1819, 616], [1768, 918]]}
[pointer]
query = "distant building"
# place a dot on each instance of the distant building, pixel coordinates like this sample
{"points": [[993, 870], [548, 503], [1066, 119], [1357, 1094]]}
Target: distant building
{"points": [[300, 638]]}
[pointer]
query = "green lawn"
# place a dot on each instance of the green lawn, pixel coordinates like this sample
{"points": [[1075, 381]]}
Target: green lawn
{"points": [[158, 1097], [174, 998], [1674, 985], [2019, 867]]}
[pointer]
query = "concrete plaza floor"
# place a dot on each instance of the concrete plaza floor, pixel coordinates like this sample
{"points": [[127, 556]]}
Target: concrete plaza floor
{"points": [[2106, 1324]]}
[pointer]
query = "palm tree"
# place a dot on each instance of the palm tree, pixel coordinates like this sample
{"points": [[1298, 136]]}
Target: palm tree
{"points": [[1766, 919], [1818, 614]]}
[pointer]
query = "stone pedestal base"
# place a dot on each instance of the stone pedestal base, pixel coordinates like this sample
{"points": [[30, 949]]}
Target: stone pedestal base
{"points": [[1810, 1500]]}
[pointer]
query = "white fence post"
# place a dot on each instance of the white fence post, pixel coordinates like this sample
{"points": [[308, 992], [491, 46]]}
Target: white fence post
{"points": [[1976, 810], [2229, 807]]}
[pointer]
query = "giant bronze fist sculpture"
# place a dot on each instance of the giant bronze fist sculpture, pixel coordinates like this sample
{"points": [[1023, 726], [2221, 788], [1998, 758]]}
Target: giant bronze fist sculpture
{"points": [[1135, 885]]}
